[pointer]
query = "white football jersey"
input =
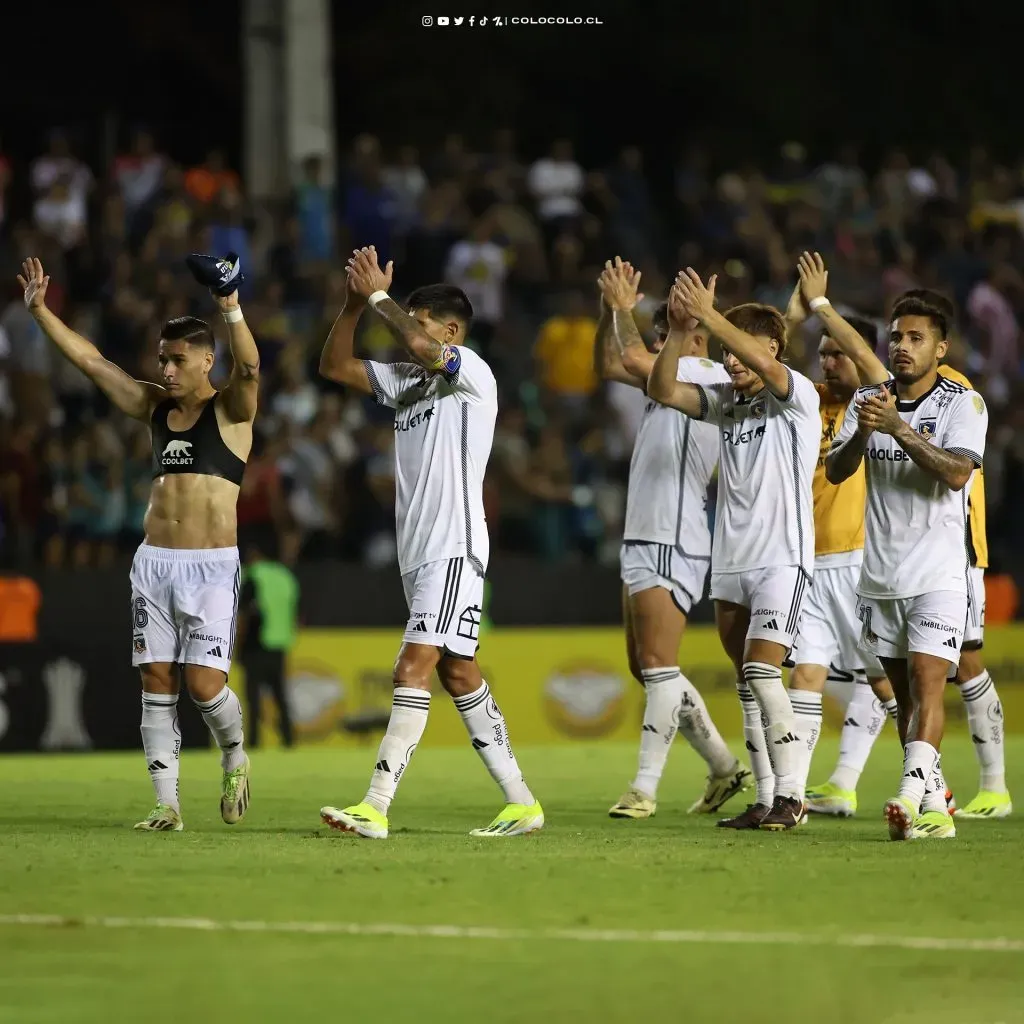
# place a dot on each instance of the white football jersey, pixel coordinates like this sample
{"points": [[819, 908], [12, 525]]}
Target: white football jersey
{"points": [[444, 428], [674, 458], [915, 527], [768, 451]]}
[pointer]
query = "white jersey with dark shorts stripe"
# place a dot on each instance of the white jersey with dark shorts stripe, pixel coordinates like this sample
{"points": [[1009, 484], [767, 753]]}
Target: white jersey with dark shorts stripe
{"points": [[763, 555], [444, 429], [915, 527], [666, 540]]}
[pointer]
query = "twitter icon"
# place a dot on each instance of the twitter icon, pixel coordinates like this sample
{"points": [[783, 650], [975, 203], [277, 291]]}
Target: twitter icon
{"points": [[459, 21]]}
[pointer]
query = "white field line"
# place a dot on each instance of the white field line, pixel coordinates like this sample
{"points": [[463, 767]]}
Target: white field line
{"points": [[444, 931]]}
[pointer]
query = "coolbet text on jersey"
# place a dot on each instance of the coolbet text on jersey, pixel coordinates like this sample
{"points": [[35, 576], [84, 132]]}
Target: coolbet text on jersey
{"points": [[915, 526]]}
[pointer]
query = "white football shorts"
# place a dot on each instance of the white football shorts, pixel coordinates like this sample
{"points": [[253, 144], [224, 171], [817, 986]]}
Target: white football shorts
{"points": [[445, 602], [644, 564], [774, 596], [184, 606], [926, 624], [830, 631]]}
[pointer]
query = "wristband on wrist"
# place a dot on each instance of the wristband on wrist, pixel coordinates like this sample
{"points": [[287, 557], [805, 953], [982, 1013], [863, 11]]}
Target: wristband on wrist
{"points": [[818, 303], [232, 316], [377, 297]]}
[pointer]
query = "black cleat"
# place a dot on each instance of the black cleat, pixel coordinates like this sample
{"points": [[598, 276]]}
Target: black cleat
{"points": [[749, 820], [786, 813]]}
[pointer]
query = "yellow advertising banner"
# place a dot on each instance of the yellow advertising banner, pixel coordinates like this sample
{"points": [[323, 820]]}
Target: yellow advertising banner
{"points": [[553, 685]]}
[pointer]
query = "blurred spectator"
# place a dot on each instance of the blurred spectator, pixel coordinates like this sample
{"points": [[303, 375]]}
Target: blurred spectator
{"points": [[314, 206], [370, 209], [556, 184], [477, 265], [139, 173], [207, 181], [60, 213], [997, 332], [407, 183], [564, 351], [60, 164], [229, 233]]}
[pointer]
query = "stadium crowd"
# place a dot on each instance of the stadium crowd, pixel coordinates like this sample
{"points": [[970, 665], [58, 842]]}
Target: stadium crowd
{"points": [[526, 241]]}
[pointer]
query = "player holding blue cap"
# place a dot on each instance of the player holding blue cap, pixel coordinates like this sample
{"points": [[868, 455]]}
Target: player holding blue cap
{"points": [[185, 574]]}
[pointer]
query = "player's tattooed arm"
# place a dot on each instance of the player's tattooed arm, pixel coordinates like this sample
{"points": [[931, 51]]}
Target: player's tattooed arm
{"points": [[366, 278], [240, 396], [812, 285], [420, 345], [950, 468], [619, 350], [879, 412]]}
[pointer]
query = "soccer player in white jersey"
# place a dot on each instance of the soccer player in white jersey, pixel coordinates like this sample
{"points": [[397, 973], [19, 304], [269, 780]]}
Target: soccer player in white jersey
{"points": [[445, 404], [763, 553], [666, 549], [977, 689], [923, 437]]}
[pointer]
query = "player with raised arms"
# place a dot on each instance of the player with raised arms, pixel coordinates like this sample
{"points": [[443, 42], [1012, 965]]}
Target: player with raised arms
{"points": [[446, 403], [923, 437], [763, 554], [666, 550], [977, 689], [185, 575]]}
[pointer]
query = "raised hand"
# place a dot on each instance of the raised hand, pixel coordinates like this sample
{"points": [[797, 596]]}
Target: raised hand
{"points": [[34, 282], [797, 310], [365, 275], [879, 412], [813, 276], [619, 283], [696, 300]]}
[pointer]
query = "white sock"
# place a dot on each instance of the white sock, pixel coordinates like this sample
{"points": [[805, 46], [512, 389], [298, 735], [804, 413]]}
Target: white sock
{"points": [[757, 746], [935, 790], [699, 731], [891, 709], [862, 725], [161, 741], [489, 735], [765, 682], [807, 712], [223, 717], [985, 720], [918, 765], [409, 710], [664, 694]]}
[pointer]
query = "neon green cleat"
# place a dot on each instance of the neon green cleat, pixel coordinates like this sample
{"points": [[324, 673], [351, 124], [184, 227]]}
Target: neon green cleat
{"points": [[634, 804], [514, 820], [163, 818], [720, 789], [934, 825], [899, 815], [234, 794], [828, 798], [360, 819], [988, 804]]}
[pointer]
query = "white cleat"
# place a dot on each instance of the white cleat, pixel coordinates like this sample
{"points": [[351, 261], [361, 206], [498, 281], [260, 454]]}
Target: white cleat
{"points": [[720, 789]]}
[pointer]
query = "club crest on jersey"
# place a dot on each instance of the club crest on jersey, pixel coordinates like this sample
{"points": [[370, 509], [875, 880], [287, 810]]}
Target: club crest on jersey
{"points": [[450, 360], [757, 409], [927, 429]]}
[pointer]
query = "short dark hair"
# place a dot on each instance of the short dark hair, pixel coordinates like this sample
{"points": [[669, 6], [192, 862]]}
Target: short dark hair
{"points": [[919, 307], [441, 301], [865, 328], [659, 318], [941, 302], [758, 319], [190, 329]]}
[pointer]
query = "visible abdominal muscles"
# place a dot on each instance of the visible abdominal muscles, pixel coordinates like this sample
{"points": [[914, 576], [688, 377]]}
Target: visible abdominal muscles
{"points": [[189, 510]]}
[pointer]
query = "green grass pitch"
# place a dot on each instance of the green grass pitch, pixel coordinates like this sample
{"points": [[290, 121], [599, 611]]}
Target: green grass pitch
{"points": [[556, 905]]}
